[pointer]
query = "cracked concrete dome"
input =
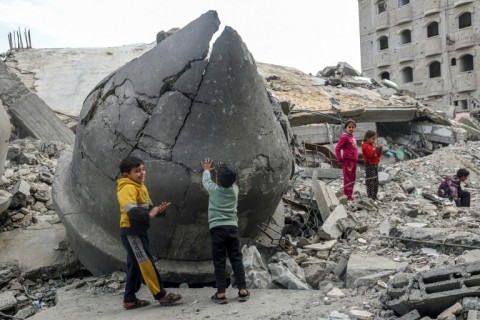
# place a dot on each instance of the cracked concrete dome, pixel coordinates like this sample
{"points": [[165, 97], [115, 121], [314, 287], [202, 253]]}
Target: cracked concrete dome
{"points": [[174, 106]]}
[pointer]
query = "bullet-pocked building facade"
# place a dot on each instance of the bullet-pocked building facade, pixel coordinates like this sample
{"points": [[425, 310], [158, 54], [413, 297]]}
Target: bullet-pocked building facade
{"points": [[426, 46]]}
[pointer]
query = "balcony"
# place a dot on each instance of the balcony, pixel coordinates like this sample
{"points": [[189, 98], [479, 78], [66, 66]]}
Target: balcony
{"points": [[382, 59], [459, 3], [406, 53], [463, 38], [466, 81], [382, 21], [433, 46], [431, 7], [404, 14], [434, 87]]}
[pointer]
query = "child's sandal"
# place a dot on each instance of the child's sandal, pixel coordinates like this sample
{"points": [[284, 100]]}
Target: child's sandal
{"points": [[243, 297], [215, 298]]}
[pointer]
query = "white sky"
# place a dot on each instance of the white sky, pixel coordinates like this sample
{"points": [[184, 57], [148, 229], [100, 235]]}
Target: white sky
{"points": [[305, 34]]}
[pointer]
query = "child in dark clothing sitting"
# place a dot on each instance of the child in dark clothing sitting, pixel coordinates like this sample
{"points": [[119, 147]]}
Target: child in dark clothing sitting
{"points": [[450, 188], [222, 220]]}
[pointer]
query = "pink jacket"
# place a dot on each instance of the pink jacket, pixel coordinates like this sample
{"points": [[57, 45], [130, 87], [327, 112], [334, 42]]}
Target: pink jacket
{"points": [[347, 144]]}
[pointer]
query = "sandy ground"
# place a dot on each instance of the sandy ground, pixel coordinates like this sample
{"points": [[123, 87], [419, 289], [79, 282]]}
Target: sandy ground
{"points": [[196, 304]]}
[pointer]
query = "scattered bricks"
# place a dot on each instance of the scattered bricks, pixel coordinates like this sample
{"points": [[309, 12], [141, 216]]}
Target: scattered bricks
{"points": [[473, 315], [456, 309], [7, 300], [412, 315]]}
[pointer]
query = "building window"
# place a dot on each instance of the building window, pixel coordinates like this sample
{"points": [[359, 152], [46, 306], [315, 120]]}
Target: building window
{"points": [[381, 6], [385, 75], [462, 104], [466, 63], [435, 69], [432, 29], [453, 62], [405, 37], [407, 75], [402, 3], [465, 20], [383, 43]]}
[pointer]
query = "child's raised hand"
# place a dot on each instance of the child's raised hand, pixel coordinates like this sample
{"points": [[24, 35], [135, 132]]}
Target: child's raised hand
{"points": [[207, 164]]}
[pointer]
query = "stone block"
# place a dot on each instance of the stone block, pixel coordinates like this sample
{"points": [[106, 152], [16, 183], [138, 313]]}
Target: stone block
{"points": [[20, 192], [361, 265], [371, 280], [324, 196], [361, 314], [329, 230], [314, 274], [336, 293], [324, 246], [455, 310], [412, 315]]}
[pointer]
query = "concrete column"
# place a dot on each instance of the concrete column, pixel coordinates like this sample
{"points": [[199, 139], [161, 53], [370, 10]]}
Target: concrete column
{"points": [[5, 129]]}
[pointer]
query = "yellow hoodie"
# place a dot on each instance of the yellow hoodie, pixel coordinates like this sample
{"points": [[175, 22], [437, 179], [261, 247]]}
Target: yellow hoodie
{"points": [[135, 204]]}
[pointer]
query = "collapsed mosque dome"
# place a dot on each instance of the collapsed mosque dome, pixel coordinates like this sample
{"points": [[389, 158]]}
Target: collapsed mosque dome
{"points": [[174, 106]]}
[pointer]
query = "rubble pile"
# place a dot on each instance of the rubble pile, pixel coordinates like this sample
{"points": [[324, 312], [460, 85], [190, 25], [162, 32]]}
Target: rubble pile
{"points": [[34, 256]]}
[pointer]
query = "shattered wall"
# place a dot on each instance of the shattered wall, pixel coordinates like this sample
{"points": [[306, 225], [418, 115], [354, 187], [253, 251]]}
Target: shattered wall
{"points": [[173, 106]]}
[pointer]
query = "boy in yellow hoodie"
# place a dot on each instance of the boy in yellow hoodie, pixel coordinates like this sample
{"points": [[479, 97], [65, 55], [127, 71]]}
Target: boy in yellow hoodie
{"points": [[136, 210]]}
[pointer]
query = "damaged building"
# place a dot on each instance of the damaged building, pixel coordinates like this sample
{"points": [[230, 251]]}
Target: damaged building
{"points": [[427, 47]]}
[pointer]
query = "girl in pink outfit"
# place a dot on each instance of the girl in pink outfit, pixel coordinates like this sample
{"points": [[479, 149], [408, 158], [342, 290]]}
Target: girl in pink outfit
{"points": [[347, 154]]}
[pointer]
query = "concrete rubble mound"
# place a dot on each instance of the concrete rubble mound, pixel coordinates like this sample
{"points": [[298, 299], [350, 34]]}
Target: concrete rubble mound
{"points": [[175, 105]]}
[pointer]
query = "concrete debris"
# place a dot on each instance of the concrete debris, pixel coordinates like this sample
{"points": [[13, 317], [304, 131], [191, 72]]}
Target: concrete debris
{"points": [[31, 116], [329, 230], [7, 300], [129, 106], [256, 272], [361, 314], [336, 293], [287, 273], [361, 265]]}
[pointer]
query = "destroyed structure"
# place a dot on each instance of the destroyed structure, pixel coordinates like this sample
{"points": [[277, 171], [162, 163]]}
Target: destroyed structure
{"points": [[407, 255], [428, 47], [173, 107]]}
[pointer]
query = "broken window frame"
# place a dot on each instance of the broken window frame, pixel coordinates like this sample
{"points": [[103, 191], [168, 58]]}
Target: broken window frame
{"points": [[465, 20], [402, 3], [433, 29], [434, 69]]}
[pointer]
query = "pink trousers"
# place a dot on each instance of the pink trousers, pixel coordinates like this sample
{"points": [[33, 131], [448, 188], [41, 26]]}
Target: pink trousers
{"points": [[349, 168]]}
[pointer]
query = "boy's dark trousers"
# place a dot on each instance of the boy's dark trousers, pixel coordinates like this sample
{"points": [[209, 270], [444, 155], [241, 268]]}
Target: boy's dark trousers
{"points": [[463, 199], [371, 180], [225, 241], [140, 268]]}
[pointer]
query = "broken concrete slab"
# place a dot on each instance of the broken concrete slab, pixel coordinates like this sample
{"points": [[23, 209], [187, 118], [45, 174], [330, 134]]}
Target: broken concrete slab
{"points": [[319, 133], [29, 113], [361, 314], [372, 279], [429, 292], [33, 249], [287, 273], [129, 106], [7, 300], [470, 256], [434, 132], [455, 310], [5, 200], [361, 265], [326, 199], [329, 230], [256, 273], [392, 114], [4, 137]]}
